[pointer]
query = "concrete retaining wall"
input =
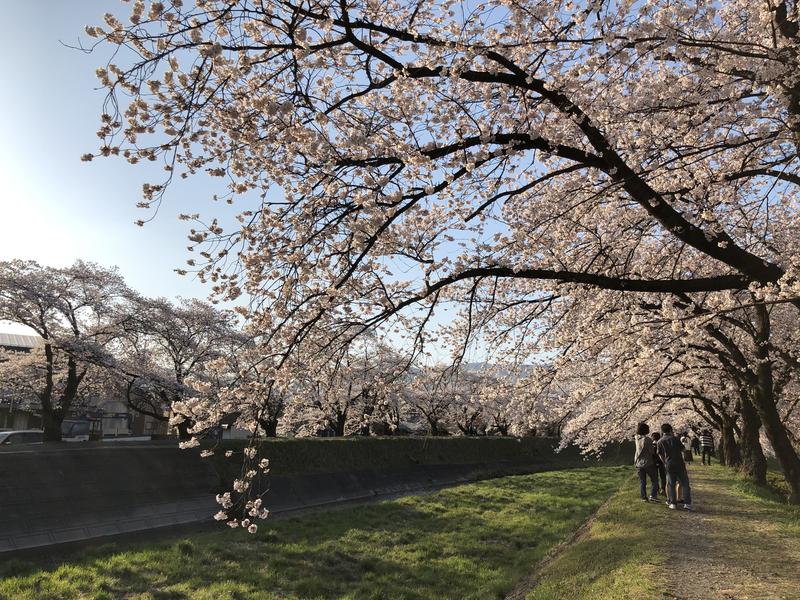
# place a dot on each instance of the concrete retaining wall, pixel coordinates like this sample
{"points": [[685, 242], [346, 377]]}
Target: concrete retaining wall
{"points": [[68, 494]]}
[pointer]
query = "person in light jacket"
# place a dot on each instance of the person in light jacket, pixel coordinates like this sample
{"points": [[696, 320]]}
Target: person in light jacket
{"points": [[687, 447], [645, 463]]}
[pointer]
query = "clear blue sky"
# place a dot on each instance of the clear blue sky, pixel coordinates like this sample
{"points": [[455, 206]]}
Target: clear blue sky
{"points": [[53, 207]]}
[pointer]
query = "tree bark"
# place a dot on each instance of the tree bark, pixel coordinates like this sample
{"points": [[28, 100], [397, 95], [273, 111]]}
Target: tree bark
{"points": [[51, 424], [338, 426], [51, 418], [270, 427], [730, 453], [764, 402], [754, 464]]}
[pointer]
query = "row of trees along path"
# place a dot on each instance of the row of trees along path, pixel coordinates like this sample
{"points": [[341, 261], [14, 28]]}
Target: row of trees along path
{"points": [[100, 339], [611, 185]]}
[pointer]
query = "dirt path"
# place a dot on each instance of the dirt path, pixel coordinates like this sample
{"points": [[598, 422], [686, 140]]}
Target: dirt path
{"points": [[732, 547]]}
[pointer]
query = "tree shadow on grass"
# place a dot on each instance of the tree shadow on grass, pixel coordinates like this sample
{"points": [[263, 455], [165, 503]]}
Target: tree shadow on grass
{"points": [[467, 542], [614, 558]]}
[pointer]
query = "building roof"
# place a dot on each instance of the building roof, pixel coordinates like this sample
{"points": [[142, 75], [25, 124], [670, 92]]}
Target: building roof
{"points": [[16, 340]]}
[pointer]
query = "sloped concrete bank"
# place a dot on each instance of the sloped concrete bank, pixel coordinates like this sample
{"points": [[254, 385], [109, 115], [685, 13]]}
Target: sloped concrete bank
{"points": [[60, 495]]}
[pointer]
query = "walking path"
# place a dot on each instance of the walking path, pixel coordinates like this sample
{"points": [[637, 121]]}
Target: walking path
{"points": [[734, 546]]}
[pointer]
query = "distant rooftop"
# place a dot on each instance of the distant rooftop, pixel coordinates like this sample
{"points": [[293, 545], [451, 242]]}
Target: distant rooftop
{"points": [[16, 340]]}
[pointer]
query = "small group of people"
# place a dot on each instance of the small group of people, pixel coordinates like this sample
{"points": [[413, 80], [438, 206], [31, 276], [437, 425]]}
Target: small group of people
{"points": [[662, 458], [698, 444]]}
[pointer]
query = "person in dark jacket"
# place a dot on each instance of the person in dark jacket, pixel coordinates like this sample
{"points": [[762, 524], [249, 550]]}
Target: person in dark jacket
{"points": [[671, 451], [662, 471], [645, 462], [695, 443]]}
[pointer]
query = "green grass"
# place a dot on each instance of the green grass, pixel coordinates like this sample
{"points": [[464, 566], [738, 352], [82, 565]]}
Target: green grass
{"points": [[770, 503], [618, 557], [776, 490], [471, 541], [625, 551]]}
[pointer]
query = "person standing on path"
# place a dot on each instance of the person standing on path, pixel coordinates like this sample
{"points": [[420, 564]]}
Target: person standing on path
{"points": [[671, 451], [687, 447], [707, 444], [695, 443], [662, 471], [645, 462]]}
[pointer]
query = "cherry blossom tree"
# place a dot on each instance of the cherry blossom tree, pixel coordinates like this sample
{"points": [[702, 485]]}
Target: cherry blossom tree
{"points": [[165, 346], [431, 392], [466, 408], [515, 401], [143, 381], [346, 393], [239, 388], [73, 310], [25, 374], [395, 410], [491, 398], [631, 360], [394, 159]]}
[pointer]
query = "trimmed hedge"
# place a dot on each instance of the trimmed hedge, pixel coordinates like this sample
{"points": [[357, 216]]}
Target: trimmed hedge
{"points": [[333, 455]]}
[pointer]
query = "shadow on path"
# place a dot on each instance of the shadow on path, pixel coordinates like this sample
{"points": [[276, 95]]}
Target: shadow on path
{"points": [[733, 547]]}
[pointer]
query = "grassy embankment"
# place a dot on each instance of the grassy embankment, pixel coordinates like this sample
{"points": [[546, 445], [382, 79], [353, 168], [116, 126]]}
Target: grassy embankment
{"points": [[472, 541]]}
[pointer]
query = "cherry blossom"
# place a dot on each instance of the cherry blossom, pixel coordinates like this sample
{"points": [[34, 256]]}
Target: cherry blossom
{"points": [[538, 177]]}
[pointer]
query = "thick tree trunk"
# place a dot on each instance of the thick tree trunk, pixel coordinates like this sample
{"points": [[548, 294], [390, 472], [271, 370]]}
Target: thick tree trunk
{"points": [[764, 402], [720, 451], [183, 430], [754, 464], [270, 427], [782, 445], [729, 453], [53, 417], [338, 426], [51, 424], [51, 432]]}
